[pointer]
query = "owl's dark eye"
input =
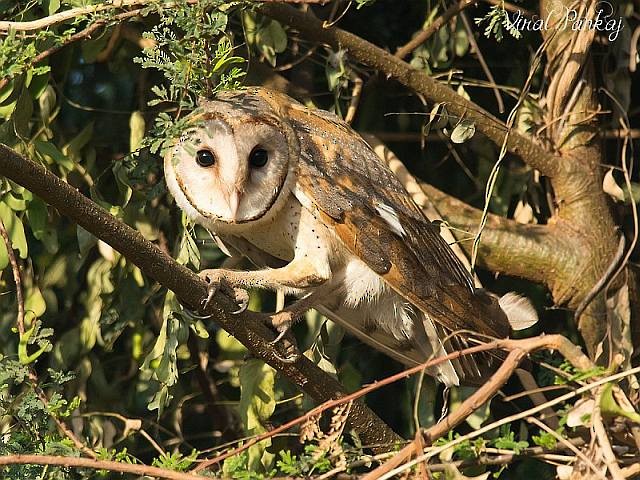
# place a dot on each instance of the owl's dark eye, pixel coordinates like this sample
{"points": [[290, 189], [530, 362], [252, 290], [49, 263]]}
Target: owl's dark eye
{"points": [[258, 157], [205, 158]]}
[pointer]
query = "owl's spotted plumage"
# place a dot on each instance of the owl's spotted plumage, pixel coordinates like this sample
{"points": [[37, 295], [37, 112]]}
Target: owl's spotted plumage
{"points": [[303, 196]]}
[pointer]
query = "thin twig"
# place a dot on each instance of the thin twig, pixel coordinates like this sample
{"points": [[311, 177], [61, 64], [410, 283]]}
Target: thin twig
{"points": [[483, 62], [76, 462], [62, 426], [355, 100], [511, 419], [73, 13], [571, 447], [603, 439], [433, 27]]}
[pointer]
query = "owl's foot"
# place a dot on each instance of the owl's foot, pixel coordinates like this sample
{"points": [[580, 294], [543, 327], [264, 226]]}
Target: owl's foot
{"points": [[217, 281], [286, 343], [282, 323]]}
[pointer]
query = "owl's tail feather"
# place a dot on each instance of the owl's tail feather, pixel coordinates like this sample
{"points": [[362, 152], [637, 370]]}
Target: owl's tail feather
{"points": [[519, 311]]}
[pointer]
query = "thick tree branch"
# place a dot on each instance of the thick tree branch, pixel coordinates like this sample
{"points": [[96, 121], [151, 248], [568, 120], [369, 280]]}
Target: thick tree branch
{"points": [[526, 251], [248, 327], [434, 91], [583, 213]]}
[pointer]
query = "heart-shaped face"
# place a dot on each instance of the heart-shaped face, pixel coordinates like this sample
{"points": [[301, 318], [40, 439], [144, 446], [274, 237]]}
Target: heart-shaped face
{"points": [[232, 165]]}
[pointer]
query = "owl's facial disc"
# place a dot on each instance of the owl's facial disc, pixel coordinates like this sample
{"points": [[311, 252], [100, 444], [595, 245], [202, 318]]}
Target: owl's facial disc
{"points": [[229, 170]]}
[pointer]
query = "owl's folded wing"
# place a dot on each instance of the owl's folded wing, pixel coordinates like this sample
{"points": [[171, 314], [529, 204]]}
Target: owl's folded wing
{"points": [[377, 220]]}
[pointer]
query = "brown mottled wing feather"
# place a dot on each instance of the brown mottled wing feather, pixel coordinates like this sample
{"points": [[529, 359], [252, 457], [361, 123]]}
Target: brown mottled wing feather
{"points": [[418, 264]]}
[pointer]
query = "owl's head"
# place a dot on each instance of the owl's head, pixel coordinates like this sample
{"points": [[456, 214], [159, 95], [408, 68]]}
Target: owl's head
{"points": [[233, 165]]}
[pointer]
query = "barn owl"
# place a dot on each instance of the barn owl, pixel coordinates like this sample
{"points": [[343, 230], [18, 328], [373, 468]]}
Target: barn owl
{"points": [[305, 198]]}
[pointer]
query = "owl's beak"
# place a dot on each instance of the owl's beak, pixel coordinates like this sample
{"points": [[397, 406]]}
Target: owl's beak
{"points": [[234, 202]]}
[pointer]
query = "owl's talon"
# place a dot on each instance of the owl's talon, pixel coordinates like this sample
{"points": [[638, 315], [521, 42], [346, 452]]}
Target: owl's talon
{"points": [[282, 322], [279, 337], [216, 281], [195, 315], [242, 299], [289, 359]]}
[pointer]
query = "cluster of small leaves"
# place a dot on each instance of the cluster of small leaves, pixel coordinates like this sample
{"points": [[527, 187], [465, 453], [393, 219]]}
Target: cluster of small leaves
{"points": [[310, 462], [576, 375], [193, 52], [497, 20], [31, 431], [443, 47], [506, 440], [176, 461]]}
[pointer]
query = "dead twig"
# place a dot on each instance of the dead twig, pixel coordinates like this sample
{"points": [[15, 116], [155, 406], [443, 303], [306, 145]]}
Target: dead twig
{"points": [[483, 63]]}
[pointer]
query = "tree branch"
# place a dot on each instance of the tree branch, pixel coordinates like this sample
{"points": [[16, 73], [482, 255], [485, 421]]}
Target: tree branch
{"points": [[425, 34], [373, 56], [248, 327], [110, 465], [526, 251], [73, 13]]}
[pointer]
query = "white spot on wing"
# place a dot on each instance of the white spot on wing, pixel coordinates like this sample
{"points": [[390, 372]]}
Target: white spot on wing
{"points": [[390, 216]]}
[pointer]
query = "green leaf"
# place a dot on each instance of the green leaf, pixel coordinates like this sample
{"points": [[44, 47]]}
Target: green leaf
{"points": [[74, 147], [37, 216], [53, 6], [4, 257], [137, 129], [463, 131], [15, 229], [34, 305], [609, 406], [86, 240], [14, 203], [271, 39], [91, 48], [257, 396], [47, 102], [22, 114], [51, 153]]}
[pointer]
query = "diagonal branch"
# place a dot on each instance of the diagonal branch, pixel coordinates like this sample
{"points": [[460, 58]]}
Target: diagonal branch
{"points": [[425, 34], [434, 91], [248, 327]]}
